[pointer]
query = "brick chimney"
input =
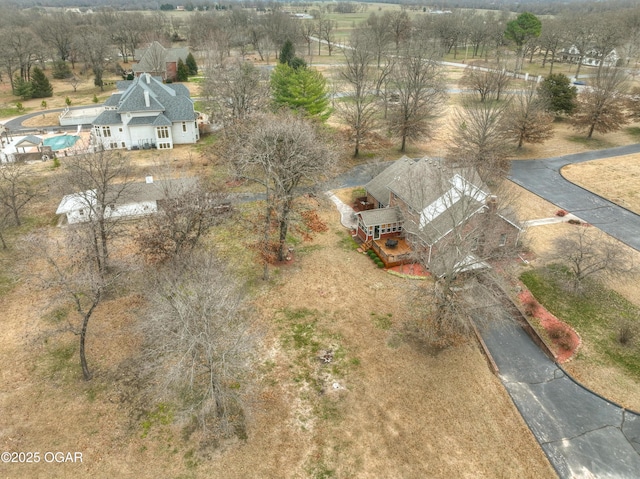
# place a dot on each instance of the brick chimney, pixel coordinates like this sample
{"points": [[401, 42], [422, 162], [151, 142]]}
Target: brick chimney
{"points": [[492, 203]]}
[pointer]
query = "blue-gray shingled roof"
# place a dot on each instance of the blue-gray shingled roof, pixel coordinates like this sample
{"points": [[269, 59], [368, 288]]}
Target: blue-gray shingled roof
{"points": [[113, 100], [159, 120], [108, 117], [32, 139], [173, 100]]}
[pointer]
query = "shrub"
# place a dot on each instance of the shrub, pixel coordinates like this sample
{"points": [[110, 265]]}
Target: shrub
{"points": [[626, 334], [561, 336], [380, 264], [561, 213], [67, 101], [530, 306], [574, 222]]}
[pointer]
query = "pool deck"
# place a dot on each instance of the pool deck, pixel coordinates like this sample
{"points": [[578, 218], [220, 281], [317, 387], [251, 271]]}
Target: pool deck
{"points": [[80, 144]]}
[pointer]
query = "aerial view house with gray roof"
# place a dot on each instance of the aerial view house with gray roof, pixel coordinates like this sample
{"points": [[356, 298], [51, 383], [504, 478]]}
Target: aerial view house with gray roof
{"points": [[146, 113], [417, 203], [159, 61]]}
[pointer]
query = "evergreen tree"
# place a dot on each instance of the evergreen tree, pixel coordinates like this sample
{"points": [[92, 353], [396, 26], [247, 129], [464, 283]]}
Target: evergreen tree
{"points": [[41, 87], [301, 89], [22, 88], [190, 61], [288, 56], [183, 71], [287, 53], [61, 70], [558, 94]]}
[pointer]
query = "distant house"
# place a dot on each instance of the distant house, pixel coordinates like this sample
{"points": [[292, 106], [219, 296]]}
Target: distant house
{"points": [[146, 113], [134, 200], [418, 203], [591, 57], [159, 61]]}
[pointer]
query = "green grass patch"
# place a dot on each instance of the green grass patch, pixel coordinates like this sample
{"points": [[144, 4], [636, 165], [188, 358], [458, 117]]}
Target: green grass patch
{"points": [[598, 314], [346, 242], [633, 131], [161, 415], [382, 321], [9, 111]]}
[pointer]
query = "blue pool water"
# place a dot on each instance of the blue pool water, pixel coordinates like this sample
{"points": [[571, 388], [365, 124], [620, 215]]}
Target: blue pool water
{"points": [[60, 142]]}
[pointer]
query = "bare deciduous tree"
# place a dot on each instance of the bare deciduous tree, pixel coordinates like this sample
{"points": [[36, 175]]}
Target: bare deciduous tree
{"points": [[282, 153], [235, 90], [588, 253], [199, 330], [189, 210], [454, 237], [418, 81], [359, 108], [99, 181], [16, 188], [488, 82], [601, 107], [73, 274], [527, 119], [480, 140]]}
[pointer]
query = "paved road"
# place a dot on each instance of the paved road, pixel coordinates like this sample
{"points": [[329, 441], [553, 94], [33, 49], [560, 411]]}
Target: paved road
{"points": [[15, 124], [543, 178], [583, 435]]}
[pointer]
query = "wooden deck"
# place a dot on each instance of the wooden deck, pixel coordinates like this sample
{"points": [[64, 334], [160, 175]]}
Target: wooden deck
{"points": [[400, 254]]}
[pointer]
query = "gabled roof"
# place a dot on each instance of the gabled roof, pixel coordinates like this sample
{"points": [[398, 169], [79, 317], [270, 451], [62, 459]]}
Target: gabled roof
{"points": [[378, 187], [439, 197], [131, 194], [29, 140], [155, 57], [381, 216]]}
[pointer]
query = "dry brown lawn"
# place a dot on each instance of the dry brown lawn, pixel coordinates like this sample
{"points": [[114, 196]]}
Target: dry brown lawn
{"points": [[617, 179]]}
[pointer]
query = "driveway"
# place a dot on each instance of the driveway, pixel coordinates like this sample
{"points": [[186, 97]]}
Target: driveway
{"points": [[582, 434], [543, 178]]}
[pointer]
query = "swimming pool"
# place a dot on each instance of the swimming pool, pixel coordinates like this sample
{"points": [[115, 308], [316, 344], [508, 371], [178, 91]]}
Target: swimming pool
{"points": [[60, 142]]}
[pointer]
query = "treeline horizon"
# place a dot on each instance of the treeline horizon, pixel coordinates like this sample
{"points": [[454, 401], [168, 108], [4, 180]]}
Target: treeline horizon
{"points": [[539, 7]]}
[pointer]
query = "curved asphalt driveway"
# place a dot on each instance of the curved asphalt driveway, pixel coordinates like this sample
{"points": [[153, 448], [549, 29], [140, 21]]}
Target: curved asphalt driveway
{"points": [[582, 434], [543, 178]]}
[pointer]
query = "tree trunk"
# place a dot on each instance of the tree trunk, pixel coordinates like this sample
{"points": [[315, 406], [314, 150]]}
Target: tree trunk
{"points": [[86, 374], [284, 227], [4, 245], [404, 143], [593, 126]]}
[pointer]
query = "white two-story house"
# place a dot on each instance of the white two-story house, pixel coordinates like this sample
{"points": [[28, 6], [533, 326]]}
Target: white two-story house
{"points": [[146, 113]]}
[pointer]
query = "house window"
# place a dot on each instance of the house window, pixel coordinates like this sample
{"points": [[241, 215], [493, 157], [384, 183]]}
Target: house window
{"points": [[106, 131], [163, 132], [164, 146], [97, 131], [113, 145], [120, 130], [124, 145], [184, 126], [503, 239], [81, 212]]}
